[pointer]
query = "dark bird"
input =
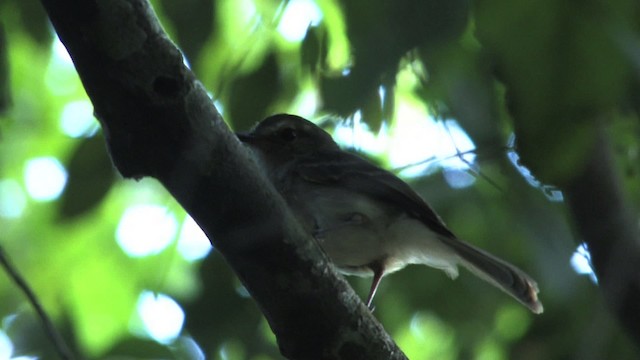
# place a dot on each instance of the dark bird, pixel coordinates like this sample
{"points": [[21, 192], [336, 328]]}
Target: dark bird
{"points": [[367, 220]]}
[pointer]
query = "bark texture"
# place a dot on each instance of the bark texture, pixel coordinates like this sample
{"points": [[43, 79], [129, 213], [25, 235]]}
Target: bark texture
{"points": [[159, 121]]}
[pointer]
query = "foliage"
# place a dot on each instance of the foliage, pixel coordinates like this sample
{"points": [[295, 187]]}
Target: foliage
{"points": [[388, 70]]}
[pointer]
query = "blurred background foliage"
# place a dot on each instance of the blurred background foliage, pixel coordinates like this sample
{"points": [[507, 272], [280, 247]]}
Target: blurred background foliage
{"points": [[419, 86]]}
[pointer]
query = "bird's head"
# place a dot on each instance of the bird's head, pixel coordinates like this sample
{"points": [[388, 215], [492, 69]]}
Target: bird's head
{"points": [[285, 136]]}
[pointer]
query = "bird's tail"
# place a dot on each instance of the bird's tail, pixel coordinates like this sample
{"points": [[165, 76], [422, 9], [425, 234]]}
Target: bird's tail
{"points": [[505, 276]]}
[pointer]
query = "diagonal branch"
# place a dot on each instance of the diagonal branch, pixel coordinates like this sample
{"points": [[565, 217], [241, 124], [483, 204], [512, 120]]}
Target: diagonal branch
{"points": [[159, 121], [53, 334]]}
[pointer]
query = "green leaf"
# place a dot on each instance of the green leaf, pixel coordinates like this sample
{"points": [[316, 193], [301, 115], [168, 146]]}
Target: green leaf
{"points": [[35, 22], [101, 299], [135, 348], [253, 93], [91, 175], [193, 22], [372, 111], [313, 50], [569, 68]]}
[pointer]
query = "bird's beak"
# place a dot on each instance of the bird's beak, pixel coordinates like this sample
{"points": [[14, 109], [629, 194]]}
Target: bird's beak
{"points": [[251, 140], [245, 137]]}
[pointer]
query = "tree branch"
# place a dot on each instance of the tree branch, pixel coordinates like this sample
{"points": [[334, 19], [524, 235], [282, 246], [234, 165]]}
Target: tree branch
{"points": [[609, 227], [159, 121], [53, 334]]}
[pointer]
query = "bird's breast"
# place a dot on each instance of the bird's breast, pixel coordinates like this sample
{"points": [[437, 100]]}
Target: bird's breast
{"points": [[351, 228], [356, 230]]}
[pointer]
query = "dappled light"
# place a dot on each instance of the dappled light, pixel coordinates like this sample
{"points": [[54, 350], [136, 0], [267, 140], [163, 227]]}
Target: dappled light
{"points": [[427, 337], [193, 244], [581, 263], [60, 76], [434, 91], [60, 54], [231, 350], [161, 315], [355, 134], [512, 322], [306, 102], [77, 119], [418, 145], [6, 346], [192, 348], [12, 199], [44, 178], [297, 17], [146, 230], [551, 192], [424, 145]]}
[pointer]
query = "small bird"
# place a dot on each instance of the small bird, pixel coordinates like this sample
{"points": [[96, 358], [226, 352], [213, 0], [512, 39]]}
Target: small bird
{"points": [[367, 220]]}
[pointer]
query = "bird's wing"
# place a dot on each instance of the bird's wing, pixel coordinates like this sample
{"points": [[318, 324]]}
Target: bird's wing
{"points": [[356, 174], [345, 170]]}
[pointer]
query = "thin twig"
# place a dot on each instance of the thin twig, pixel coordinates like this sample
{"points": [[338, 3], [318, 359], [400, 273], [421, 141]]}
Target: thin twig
{"points": [[472, 168], [54, 335]]}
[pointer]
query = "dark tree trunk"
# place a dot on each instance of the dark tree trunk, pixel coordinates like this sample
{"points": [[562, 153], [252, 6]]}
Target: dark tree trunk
{"points": [[159, 121], [609, 228]]}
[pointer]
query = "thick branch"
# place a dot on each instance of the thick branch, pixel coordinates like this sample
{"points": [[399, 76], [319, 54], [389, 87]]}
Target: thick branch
{"points": [[610, 229], [160, 122]]}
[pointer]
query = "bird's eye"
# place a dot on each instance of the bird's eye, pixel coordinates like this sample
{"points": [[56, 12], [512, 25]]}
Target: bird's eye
{"points": [[288, 134]]}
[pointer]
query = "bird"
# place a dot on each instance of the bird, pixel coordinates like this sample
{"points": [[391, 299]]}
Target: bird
{"points": [[366, 219]]}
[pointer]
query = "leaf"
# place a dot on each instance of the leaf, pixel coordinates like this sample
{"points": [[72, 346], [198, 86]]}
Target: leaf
{"points": [[383, 31], [36, 23], [313, 50], [460, 85], [346, 94], [91, 175], [372, 111], [388, 103], [570, 68], [253, 93], [101, 293], [136, 348], [193, 22]]}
